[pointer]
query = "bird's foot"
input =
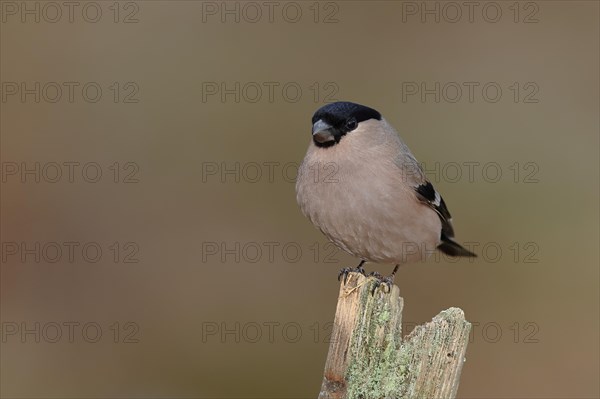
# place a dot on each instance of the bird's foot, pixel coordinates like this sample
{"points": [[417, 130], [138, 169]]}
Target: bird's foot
{"points": [[347, 270], [385, 283]]}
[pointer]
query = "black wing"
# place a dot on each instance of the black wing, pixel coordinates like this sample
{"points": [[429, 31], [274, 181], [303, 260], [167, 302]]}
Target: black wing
{"points": [[434, 200], [427, 194]]}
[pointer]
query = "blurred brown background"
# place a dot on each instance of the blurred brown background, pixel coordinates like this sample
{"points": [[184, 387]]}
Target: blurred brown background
{"points": [[217, 286]]}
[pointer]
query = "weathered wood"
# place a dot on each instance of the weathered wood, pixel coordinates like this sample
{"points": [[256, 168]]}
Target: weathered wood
{"points": [[369, 360]]}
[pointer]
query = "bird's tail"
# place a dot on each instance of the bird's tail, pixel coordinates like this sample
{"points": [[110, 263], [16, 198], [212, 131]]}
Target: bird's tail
{"points": [[452, 248]]}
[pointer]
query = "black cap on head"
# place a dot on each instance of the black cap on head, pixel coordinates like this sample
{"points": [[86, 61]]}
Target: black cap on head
{"points": [[332, 121], [340, 111]]}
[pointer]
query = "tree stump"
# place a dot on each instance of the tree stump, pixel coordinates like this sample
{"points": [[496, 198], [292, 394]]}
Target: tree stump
{"points": [[368, 359]]}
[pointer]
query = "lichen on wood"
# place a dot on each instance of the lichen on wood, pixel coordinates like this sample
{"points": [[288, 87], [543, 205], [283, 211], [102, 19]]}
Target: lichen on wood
{"points": [[368, 358]]}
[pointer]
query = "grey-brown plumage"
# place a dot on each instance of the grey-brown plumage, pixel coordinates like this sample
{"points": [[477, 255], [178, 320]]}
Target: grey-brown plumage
{"points": [[362, 187]]}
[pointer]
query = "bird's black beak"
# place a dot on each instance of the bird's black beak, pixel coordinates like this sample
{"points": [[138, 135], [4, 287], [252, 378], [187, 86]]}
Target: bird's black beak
{"points": [[322, 132]]}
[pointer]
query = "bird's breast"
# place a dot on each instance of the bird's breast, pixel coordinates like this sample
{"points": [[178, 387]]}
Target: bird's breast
{"points": [[362, 205]]}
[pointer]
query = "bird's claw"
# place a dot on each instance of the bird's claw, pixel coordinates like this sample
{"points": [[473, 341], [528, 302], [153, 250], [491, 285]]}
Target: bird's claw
{"points": [[347, 270], [360, 270], [380, 281], [344, 272], [377, 275]]}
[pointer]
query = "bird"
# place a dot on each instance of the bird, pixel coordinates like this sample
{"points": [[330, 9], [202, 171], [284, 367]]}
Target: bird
{"points": [[361, 186]]}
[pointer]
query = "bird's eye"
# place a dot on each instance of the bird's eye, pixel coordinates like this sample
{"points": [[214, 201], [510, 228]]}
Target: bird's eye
{"points": [[351, 124]]}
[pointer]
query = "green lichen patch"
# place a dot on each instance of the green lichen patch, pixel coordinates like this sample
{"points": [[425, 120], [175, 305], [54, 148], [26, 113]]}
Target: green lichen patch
{"points": [[374, 369]]}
